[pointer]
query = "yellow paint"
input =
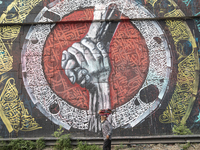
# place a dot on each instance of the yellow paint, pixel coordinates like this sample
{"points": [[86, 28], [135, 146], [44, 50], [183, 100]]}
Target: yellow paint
{"points": [[5, 59], [13, 111], [178, 109], [180, 106], [22, 9], [152, 2], [9, 33], [5, 120], [175, 13]]}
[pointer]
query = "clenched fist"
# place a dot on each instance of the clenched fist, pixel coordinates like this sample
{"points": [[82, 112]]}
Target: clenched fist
{"points": [[86, 63]]}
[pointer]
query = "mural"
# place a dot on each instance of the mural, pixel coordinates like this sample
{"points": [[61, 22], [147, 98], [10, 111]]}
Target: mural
{"points": [[63, 61]]}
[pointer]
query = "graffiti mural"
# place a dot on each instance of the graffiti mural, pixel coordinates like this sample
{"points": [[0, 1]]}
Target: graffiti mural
{"points": [[63, 61]]}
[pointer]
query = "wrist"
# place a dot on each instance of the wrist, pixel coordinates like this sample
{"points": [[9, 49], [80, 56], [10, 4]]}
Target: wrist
{"points": [[103, 77], [103, 95], [100, 76]]}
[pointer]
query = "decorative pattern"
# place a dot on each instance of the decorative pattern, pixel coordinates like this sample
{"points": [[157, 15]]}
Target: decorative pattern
{"points": [[8, 35], [156, 59], [141, 59], [12, 112]]}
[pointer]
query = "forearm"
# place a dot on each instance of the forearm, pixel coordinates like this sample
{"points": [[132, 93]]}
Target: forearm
{"points": [[104, 98], [99, 97]]}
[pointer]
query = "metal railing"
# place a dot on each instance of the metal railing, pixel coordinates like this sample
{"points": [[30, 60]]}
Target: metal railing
{"points": [[125, 140]]}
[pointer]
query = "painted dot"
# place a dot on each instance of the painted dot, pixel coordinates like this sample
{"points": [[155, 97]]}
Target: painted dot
{"points": [[149, 93], [54, 108]]}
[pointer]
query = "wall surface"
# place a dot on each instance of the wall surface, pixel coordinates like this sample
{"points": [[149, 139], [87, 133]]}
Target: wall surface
{"points": [[63, 60]]}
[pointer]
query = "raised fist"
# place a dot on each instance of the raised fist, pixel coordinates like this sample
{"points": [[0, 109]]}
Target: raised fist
{"points": [[86, 63]]}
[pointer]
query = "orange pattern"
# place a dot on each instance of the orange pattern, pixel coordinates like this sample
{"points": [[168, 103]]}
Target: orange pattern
{"points": [[128, 58]]}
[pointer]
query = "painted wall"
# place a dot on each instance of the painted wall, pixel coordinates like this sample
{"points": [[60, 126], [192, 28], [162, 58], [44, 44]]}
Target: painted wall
{"points": [[61, 61]]}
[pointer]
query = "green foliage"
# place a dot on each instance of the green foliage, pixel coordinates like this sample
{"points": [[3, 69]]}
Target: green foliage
{"points": [[85, 146], [58, 132], [186, 146], [181, 129], [40, 144], [63, 143], [20, 144], [121, 146], [3, 145]]}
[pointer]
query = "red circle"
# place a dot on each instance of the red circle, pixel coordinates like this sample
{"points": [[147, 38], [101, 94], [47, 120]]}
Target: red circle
{"points": [[128, 58]]}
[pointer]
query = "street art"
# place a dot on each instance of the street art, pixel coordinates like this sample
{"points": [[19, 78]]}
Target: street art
{"points": [[78, 57], [12, 110], [13, 113], [88, 62]]}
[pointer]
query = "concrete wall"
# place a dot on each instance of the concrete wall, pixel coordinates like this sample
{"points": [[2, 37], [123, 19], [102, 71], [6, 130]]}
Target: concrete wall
{"points": [[61, 61]]}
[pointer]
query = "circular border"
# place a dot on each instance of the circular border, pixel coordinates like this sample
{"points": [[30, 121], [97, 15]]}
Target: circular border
{"points": [[42, 95]]}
